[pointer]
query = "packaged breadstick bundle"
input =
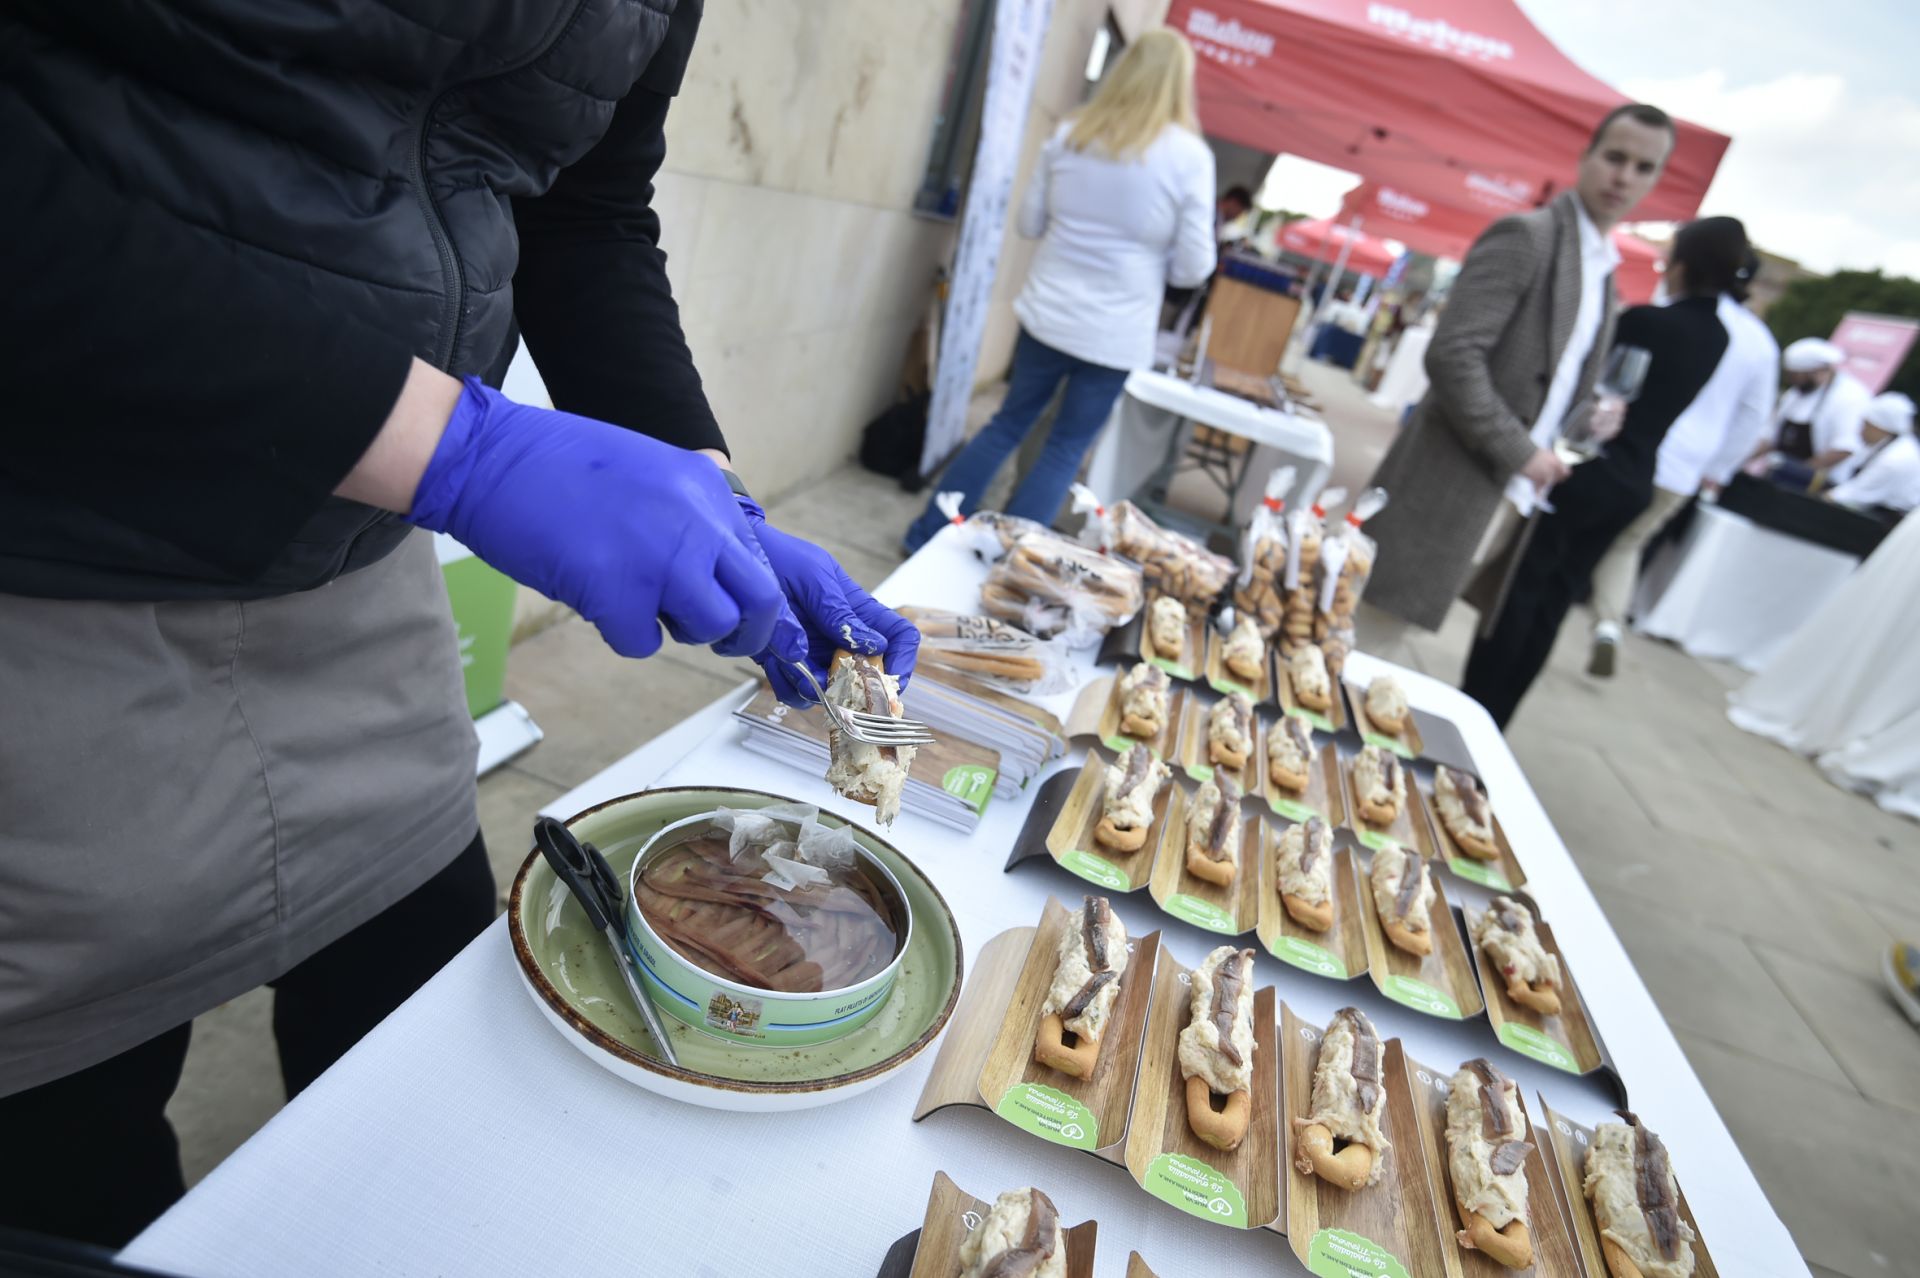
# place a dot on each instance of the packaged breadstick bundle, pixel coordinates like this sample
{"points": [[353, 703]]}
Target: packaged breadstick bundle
{"points": [[1051, 587], [988, 534], [1259, 592], [1172, 563], [990, 649], [1305, 531], [1346, 565]]}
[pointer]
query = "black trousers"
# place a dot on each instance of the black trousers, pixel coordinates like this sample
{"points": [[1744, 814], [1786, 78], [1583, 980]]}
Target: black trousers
{"points": [[1504, 663], [1555, 571], [92, 1156]]}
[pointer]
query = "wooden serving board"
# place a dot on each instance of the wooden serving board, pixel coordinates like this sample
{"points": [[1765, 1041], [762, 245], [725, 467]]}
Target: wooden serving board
{"points": [[1502, 874], [1391, 1228], [1231, 909], [1405, 743], [1186, 664], [952, 1214], [1409, 828], [1441, 983], [1223, 680], [976, 1022], [1071, 842], [1329, 721], [1566, 1149], [1325, 794], [1081, 1113], [1341, 951], [1137, 1268], [1191, 751], [1240, 1188], [1567, 1041], [1553, 1247]]}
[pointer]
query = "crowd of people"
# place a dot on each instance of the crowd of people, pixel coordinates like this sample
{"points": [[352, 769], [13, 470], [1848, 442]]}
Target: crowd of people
{"points": [[1484, 504], [1489, 500]]}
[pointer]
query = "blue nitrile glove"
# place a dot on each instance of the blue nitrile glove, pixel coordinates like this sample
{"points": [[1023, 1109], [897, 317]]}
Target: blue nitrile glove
{"points": [[833, 609], [630, 532]]}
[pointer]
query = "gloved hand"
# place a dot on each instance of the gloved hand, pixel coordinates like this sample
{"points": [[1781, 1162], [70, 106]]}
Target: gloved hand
{"points": [[632, 533], [832, 608]]}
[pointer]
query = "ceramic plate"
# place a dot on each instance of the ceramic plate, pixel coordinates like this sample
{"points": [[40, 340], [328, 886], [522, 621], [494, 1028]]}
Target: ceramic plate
{"points": [[571, 974]]}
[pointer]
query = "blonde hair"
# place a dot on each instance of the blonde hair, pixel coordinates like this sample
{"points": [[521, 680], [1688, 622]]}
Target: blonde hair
{"points": [[1149, 88]]}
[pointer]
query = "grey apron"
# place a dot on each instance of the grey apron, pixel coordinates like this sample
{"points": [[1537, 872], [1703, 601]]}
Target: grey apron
{"points": [[197, 795]]}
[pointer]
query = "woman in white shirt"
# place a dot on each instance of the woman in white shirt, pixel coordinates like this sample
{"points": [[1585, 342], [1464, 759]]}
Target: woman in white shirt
{"points": [[1122, 203]]}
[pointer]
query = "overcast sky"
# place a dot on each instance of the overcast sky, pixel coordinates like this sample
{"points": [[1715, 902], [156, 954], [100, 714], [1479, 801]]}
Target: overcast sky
{"points": [[1822, 102]]}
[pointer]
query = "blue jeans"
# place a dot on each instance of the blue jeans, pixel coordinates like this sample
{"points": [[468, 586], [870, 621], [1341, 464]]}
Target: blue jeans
{"points": [[1037, 371]]}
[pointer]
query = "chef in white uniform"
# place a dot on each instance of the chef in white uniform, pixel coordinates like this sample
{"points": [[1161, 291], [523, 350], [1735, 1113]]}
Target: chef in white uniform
{"points": [[1817, 426], [1887, 473]]}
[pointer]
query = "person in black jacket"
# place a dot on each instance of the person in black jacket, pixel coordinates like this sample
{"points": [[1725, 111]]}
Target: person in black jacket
{"points": [[1603, 496], [267, 262]]}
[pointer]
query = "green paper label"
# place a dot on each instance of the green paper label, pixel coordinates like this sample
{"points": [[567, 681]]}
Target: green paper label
{"points": [[972, 783], [1292, 809], [1173, 668], [1200, 913], [1095, 869], [1313, 717], [1376, 839], [1385, 742], [1528, 1041], [1200, 771], [1340, 1253], [1420, 996], [1307, 955], [1479, 872], [1196, 1189], [1050, 1115], [1121, 745], [1226, 686]]}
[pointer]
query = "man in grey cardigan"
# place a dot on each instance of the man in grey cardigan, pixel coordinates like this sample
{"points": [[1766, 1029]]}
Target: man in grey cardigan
{"points": [[1526, 326]]}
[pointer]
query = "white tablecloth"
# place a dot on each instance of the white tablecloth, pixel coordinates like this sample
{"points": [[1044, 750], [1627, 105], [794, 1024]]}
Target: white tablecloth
{"points": [[1734, 591], [464, 1136], [1155, 405], [1845, 688]]}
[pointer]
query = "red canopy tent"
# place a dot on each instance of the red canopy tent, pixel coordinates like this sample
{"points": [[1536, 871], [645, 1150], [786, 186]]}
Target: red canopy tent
{"points": [[1445, 230], [1422, 224], [1420, 101], [1322, 239]]}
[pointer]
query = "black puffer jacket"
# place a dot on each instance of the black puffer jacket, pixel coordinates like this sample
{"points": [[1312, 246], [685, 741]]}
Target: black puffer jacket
{"points": [[229, 225]]}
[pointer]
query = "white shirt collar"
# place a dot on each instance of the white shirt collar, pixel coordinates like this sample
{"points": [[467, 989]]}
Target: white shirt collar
{"points": [[1595, 247]]}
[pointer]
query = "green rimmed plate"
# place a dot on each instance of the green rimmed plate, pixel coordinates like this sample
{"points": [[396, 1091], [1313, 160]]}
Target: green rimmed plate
{"points": [[571, 974]]}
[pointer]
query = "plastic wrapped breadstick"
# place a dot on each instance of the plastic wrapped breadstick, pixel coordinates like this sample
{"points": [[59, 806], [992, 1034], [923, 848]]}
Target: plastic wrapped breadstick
{"points": [[988, 533], [1259, 592], [987, 648], [1173, 563], [1050, 586], [1306, 529], [1346, 565]]}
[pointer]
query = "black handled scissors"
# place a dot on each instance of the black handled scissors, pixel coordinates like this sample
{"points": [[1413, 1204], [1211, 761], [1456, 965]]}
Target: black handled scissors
{"points": [[593, 884]]}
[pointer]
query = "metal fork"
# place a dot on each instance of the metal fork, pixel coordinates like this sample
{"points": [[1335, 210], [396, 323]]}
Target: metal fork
{"points": [[874, 729]]}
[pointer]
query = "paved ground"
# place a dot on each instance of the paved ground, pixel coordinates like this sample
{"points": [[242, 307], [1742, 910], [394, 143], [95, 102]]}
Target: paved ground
{"points": [[1754, 896]]}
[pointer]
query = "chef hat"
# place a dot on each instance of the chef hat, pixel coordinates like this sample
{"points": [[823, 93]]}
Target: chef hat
{"points": [[1891, 412], [1811, 354]]}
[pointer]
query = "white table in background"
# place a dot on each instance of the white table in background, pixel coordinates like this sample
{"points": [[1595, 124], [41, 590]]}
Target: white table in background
{"points": [[464, 1136], [1155, 406], [1734, 591]]}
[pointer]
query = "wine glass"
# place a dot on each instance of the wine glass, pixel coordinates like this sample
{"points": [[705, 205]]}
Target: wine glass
{"points": [[1622, 377]]}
